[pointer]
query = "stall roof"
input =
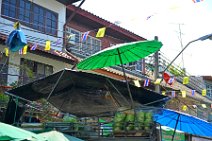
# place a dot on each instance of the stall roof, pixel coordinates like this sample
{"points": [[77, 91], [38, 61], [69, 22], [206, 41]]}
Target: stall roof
{"points": [[86, 94]]}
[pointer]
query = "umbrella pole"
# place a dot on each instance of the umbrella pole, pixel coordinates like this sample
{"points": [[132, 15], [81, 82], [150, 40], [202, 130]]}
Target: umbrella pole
{"points": [[175, 126], [125, 77], [58, 80]]}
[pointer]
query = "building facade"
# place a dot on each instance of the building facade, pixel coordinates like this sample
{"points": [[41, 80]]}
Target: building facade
{"points": [[43, 21]]}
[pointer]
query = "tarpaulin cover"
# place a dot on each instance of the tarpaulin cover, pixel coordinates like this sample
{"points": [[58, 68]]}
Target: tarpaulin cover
{"points": [[184, 122], [58, 136], [12, 133], [86, 94]]}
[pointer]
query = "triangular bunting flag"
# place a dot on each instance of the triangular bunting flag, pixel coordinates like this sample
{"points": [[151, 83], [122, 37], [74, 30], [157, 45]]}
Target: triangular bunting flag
{"points": [[85, 36], [204, 92], [204, 106], [33, 47], [196, 1], [173, 94], [20, 51], [185, 80], [59, 41], [25, 49], [146, 82], [48, 45], [16, 25], [158, 81], [137, 83], [211, 106], [163, 92], [184, 108], [183, 94], [171, 81], [193, 92], [194, 106], [166, 77], [101, 32], [6, 51]]}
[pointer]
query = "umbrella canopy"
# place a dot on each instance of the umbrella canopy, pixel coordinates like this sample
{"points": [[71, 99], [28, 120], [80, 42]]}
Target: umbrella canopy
{"points": [[128, 52], [58, 136], [83, 94], [119, 55], [9, 132], [183, 122]]}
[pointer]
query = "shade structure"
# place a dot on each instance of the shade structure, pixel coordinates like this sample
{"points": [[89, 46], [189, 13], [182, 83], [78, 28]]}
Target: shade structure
{"points": [[12, 133], [128, 52], [83, 94], [58, 136], [183, 122]]}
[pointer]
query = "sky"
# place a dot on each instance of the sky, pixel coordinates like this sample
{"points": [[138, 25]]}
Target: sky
{"points": [[167, 19]]}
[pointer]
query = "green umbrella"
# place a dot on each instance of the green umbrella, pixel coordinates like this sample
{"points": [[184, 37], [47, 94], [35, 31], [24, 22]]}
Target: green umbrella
{"points": [[12, 133], [120, 54]]}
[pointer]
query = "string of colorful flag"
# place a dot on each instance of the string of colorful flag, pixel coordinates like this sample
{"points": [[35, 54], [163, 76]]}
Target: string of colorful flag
{"points": [[150, 16], [23, 50], [170, 81]]}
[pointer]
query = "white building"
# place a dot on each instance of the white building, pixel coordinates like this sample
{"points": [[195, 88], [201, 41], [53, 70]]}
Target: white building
{"points": [[41, 20]]}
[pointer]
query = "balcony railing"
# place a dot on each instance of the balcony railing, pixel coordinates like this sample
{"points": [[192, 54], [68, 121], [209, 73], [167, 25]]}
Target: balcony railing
{"points": [[33, 39]]}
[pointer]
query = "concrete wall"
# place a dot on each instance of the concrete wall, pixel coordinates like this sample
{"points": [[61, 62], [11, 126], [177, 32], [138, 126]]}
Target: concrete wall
{"points": [[14, 63]]}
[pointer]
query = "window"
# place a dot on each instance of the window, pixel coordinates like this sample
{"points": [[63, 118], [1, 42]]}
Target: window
{"points": [[31, 14], [9, 8], [73, 38], [31, 70], [88, 47], [139, 65], [91, 45], [24, 11], [209, 90]]}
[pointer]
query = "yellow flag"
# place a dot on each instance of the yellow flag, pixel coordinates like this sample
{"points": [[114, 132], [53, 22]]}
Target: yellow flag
{"points": [[136, 82], [204, 106], [101, 32], [163, 92], [158, 81], [48, 45], [204, 92], [25, 49], [183, 94], [16, 25], [6, 51], [184, 108], [185, 80]]}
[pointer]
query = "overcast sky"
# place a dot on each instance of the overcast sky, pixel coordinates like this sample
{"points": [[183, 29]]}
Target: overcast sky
{"points": [[165, 17]]}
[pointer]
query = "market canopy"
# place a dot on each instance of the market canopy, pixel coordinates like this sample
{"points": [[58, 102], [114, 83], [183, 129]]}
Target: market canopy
{"points": [[85, 94], [12, 133], [183, 122]]}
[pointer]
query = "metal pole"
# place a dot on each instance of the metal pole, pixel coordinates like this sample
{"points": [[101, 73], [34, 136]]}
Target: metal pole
{"points": [[156, 72], [179, 54], [128, 87], [175, 126], [58, 80]]}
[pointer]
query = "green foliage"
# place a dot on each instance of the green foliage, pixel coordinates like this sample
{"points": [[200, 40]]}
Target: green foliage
{"points": [[3, 98]]}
